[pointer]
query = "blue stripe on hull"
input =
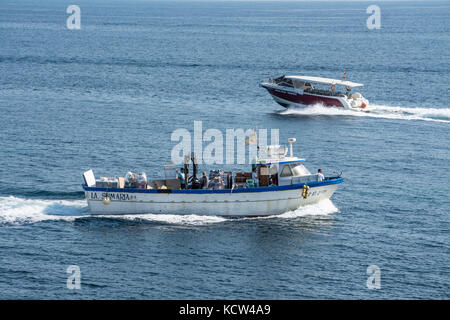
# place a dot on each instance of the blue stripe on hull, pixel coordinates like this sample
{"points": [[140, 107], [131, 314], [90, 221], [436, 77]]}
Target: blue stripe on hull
{"points": [[207, 191]]}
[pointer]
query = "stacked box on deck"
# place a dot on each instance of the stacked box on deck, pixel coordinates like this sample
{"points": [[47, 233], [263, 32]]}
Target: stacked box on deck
{"points": [[107, 182], [241, 177]]}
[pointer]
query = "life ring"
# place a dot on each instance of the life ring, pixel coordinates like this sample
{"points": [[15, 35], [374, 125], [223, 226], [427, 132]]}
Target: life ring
{"points": [[363, 105], [305, 191]]}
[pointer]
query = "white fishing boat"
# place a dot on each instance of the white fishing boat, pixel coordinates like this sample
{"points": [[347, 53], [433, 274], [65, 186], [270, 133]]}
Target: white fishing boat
{"points": [[280, 183], [299, 91]]}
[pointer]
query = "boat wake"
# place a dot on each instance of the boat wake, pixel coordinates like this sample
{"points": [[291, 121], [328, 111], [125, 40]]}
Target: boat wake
{"points": [[171, 219], [19, 211], [379, 111], [322, 208]]}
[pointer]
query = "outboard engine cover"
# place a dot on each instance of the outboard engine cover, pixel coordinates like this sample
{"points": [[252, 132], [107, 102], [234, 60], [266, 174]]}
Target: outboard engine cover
{"points": [[356, 95]]}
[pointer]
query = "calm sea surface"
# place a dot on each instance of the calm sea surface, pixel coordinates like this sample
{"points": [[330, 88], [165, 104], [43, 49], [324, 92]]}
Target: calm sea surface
{"points": [[109, 96]]}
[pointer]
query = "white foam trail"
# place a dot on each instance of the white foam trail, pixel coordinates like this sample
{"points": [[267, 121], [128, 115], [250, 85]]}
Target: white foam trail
{"points": [[379, 111], [190, 219], [20, 211], [322, 208]]}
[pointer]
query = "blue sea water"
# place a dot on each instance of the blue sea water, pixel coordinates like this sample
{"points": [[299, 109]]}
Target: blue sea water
{"points": [[108, 97]]}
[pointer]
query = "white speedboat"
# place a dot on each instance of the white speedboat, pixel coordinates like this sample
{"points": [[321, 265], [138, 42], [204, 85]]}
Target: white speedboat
{"points": [[281, 183], [305, 90]]}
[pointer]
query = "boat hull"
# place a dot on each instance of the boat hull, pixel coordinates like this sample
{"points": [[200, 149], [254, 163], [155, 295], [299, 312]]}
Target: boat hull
{"points": [[261, 201], [292, 98]]}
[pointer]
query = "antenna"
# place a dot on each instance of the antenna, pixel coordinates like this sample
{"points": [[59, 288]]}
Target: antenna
{"points": [[291, 142]]}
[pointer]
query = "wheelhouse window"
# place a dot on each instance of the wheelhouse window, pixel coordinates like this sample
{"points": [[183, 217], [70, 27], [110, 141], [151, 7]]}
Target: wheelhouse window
{"points": [[299, 170], [286, 172]]}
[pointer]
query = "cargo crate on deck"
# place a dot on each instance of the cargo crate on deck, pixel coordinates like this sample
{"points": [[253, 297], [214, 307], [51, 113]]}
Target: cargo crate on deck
{"points": [[107, 182]]}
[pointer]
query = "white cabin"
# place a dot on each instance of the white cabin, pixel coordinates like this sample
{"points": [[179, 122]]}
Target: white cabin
{"points": [[285, 170]]}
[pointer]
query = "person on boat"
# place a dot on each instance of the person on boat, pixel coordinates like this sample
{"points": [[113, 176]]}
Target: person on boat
{"points": [[182, 178], [216, 183], [320, 177], [255, 177], [204, 181], [274, 179], [308, 87]]}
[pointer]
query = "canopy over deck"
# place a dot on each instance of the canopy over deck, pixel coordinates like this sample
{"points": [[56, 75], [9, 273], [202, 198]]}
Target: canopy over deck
{"points": [[324, 80]]}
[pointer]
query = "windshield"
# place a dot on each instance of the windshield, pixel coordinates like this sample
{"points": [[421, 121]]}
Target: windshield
{"points": [[299, 170], [285, 82]]}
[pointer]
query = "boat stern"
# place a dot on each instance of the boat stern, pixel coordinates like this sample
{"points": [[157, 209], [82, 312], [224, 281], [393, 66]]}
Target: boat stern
{"points": [[356, 101]]}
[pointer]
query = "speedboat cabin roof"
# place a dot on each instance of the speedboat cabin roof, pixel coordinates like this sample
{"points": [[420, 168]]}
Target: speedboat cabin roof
{"points": [[324, 80]]}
